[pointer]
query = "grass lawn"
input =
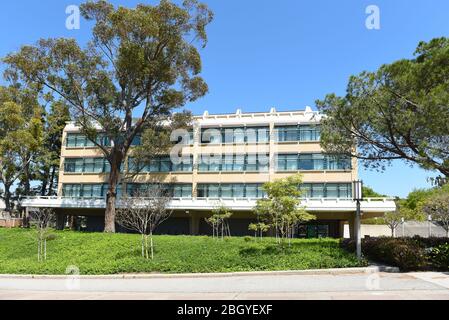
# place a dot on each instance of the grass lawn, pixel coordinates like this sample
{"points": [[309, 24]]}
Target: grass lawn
{"points": [[98, 253]]}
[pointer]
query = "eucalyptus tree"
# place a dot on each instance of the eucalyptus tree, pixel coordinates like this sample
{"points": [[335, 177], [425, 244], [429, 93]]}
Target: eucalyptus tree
{"points": [[20, 138], [400, 111], [140, 67]]}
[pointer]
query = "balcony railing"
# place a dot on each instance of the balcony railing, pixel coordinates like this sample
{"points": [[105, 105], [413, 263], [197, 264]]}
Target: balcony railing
{"points": [[237, 204]]}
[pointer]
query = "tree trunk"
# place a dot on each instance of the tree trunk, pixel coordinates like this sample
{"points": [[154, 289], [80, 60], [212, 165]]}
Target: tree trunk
{"points": [[7, 197], [52, 181], [44, 183], [27, 176], [114, 176]]}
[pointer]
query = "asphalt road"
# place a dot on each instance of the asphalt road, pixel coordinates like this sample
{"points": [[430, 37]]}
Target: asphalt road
{"points": [[364, 285]]}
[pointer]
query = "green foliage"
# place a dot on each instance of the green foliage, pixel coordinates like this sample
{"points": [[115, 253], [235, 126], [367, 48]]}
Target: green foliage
{"points": [[21, 133], [101, 253], [141, 65], [437, 205], [218, 221], [281, 209], [440, 257], [409, 254], [368, 192], [400, 111]]}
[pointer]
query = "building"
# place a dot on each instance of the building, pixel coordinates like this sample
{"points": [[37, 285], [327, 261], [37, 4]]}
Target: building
{"points": [[229, 157]]}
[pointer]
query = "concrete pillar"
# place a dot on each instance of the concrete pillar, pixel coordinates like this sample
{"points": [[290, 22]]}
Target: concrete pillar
{"points": [[194, 225], [341, 229], [351, 222], [60, 221]]}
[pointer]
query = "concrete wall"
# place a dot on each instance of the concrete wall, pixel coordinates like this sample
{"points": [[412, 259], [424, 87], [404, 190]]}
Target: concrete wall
{"points": [[411, 228]]}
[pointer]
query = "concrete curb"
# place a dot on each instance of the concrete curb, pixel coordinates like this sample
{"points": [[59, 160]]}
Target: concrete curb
{"points": [[370, 269]]}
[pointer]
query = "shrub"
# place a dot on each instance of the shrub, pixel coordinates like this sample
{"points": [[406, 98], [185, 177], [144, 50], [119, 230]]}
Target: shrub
{"points": [[440, 257], [408, 254]]}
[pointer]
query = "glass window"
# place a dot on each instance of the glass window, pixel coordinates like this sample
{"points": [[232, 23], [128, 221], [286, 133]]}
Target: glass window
{"points": [[165, 164], [332, 190], [239, 135], [318, 190], [251, 190], [71, 140], [228, 162], [201, 191], [239, 191], [306, 190], [226, 191], [239, 163], [69, 165], [292, 162], [251, 162], [89, 164], [319, 162], [260, 191], [305, 162], [213, 191]]}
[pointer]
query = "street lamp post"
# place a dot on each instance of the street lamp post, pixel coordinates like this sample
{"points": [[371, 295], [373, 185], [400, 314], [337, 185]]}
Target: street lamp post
{"points": [[358, 197]]}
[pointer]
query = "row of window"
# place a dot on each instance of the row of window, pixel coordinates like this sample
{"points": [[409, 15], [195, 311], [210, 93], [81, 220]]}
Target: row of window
{"points": [[162, 164], [298, 133], [219, 135], [235, 135], [175, 190], [89, 165], [234, 163], [229, 190], [79, 140], [326, 190], [226, 163], [237, 190], [101, 190], [296, 162]]}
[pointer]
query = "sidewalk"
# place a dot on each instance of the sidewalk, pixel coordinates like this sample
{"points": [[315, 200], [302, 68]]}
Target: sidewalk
{"points": [[365, 283]]}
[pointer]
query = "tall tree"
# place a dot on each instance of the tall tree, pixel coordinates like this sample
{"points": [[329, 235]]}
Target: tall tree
{"points": [[20, 138], [400, 111], [49, 161], [141, 65]]}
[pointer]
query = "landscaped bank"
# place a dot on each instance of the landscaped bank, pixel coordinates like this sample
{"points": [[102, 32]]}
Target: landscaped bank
{"points": [[98, 253]]}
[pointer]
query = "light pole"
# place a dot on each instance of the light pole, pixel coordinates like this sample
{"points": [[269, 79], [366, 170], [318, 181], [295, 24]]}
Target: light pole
{"points": [[358, 196]]}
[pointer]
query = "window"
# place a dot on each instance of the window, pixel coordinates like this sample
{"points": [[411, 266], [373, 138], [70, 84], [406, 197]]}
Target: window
{"points": [[328, 190], [287, 162], [228, 190], [298, 133], [235, 135], [86, 165], [293, 162]]}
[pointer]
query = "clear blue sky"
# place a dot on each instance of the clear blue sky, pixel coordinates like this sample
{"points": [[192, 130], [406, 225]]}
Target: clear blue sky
{"points": [[284, 53]]}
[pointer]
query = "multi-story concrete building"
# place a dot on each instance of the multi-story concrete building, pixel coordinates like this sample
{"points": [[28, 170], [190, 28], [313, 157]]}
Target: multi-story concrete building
{"points": [[227, 159]]}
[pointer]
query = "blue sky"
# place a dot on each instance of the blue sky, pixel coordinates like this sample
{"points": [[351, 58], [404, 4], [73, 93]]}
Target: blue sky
{"points": [[283, 54]]}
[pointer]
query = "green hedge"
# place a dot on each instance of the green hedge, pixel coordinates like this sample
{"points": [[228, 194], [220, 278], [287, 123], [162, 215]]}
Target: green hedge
{"points": [[409, 254]]}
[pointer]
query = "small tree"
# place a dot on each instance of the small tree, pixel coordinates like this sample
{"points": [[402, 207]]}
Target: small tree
{"points": [[438, 207], [42, 219], [281, 209], [259, 229], [143, 212], [393, 219], [219, 222]]}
